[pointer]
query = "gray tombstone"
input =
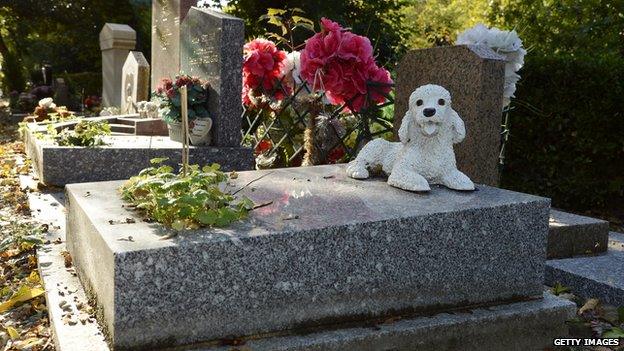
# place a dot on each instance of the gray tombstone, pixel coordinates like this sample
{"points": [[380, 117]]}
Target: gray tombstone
{"points": [[135, 81], [166, 18], [475, 76], [61, 92], [212, 49], [116, 41]]}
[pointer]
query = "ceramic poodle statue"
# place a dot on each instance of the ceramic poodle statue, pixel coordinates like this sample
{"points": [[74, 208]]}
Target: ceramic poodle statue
{"points": [[424, 154]]}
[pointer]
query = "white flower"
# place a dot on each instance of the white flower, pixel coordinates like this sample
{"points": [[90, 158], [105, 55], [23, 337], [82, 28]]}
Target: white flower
{"points": [[475, 35], [505, 43], [47, 103], [292, 67]]}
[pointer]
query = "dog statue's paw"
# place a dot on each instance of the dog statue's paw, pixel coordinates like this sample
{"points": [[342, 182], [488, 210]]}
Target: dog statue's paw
{"points": [[410, 182], [456, 180], [357, 171]]}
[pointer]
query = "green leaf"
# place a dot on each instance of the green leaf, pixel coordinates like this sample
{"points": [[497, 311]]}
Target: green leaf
{"points": [[620, 312], [299, 19], [558, 289], [275, 20], [615, 333], [247, 204], [178, 183], [274, 11], [158, 160], [277, 37], [207, 217], [185, 212], [178, 225]]}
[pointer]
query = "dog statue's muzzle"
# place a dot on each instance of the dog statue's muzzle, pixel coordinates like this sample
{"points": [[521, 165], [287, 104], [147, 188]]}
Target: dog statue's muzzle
{"points": [[429, 112]]}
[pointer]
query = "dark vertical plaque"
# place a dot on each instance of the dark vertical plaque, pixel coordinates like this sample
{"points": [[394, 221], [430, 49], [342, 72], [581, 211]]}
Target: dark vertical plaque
{"points": [[212, 49]]}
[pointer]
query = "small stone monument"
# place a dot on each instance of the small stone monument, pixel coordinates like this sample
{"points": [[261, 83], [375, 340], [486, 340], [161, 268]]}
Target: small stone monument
{"points": [[135, 81], [474, 75], [61, 92], [212, 49], [116, 41], [166, 18]]}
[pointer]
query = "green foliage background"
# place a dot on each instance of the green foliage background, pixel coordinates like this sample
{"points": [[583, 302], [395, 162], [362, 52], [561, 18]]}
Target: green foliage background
{"points": [[64, 33], [566, 140], [382, 21]]}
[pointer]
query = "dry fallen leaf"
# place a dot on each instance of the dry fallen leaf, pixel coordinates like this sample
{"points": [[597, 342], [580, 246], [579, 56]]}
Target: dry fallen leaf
{"points": [[588, 306], [67, 259], [13, 333], [24, 293]]}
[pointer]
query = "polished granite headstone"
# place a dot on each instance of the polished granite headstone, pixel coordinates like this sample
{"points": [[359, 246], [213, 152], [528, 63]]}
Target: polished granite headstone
{"points": [[322, 249], [166, 18], [212, 49], [475, 76]]}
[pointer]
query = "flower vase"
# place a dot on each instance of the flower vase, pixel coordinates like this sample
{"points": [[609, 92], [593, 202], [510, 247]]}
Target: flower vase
{"points": [[199, 131], [176, 133]]}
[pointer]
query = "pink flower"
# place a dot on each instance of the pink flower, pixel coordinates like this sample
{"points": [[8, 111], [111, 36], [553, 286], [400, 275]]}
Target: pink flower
{"points": [[262, 68], [183, 80], [342, 64], [329, 25]]}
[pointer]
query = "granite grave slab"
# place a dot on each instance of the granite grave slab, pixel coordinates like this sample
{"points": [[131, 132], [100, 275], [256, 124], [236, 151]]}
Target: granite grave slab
{"points": [[573, 235], [134, 143], [212, 49], [521, 326], [327, 249], [600, 276], [474, 75]]}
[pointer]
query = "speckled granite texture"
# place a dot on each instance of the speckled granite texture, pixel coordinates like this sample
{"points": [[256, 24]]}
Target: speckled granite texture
{"points": [[599, 276], [125, 157], [327, 249], [211, 48], [475, 76], [519, 326], [573, 235]]}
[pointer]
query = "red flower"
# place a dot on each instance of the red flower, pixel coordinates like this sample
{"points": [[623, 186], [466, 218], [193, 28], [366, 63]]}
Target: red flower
{"points": [[183, 80], [342, 63], [263, 146], [335, 155], [261, 69]]}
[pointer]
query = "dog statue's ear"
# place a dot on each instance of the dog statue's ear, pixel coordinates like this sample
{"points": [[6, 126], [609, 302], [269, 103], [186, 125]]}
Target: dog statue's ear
{"points": [[459, 130], [406, 125]]}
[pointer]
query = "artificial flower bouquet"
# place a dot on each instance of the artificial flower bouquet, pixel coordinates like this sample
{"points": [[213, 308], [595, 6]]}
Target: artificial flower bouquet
{"points": [[168, 97], [335, 69]]}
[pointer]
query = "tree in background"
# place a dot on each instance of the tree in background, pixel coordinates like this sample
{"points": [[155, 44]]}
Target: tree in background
{"points": [[579, 28], [380, 20], [437, 23], [64, 33]]}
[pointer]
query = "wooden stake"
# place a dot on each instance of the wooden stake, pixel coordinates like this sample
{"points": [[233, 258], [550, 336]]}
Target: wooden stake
{"points": [[185, 130]]}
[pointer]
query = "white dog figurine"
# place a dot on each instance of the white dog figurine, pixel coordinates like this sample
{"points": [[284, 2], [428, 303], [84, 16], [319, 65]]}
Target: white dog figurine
{"points": [[425, 154]]}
